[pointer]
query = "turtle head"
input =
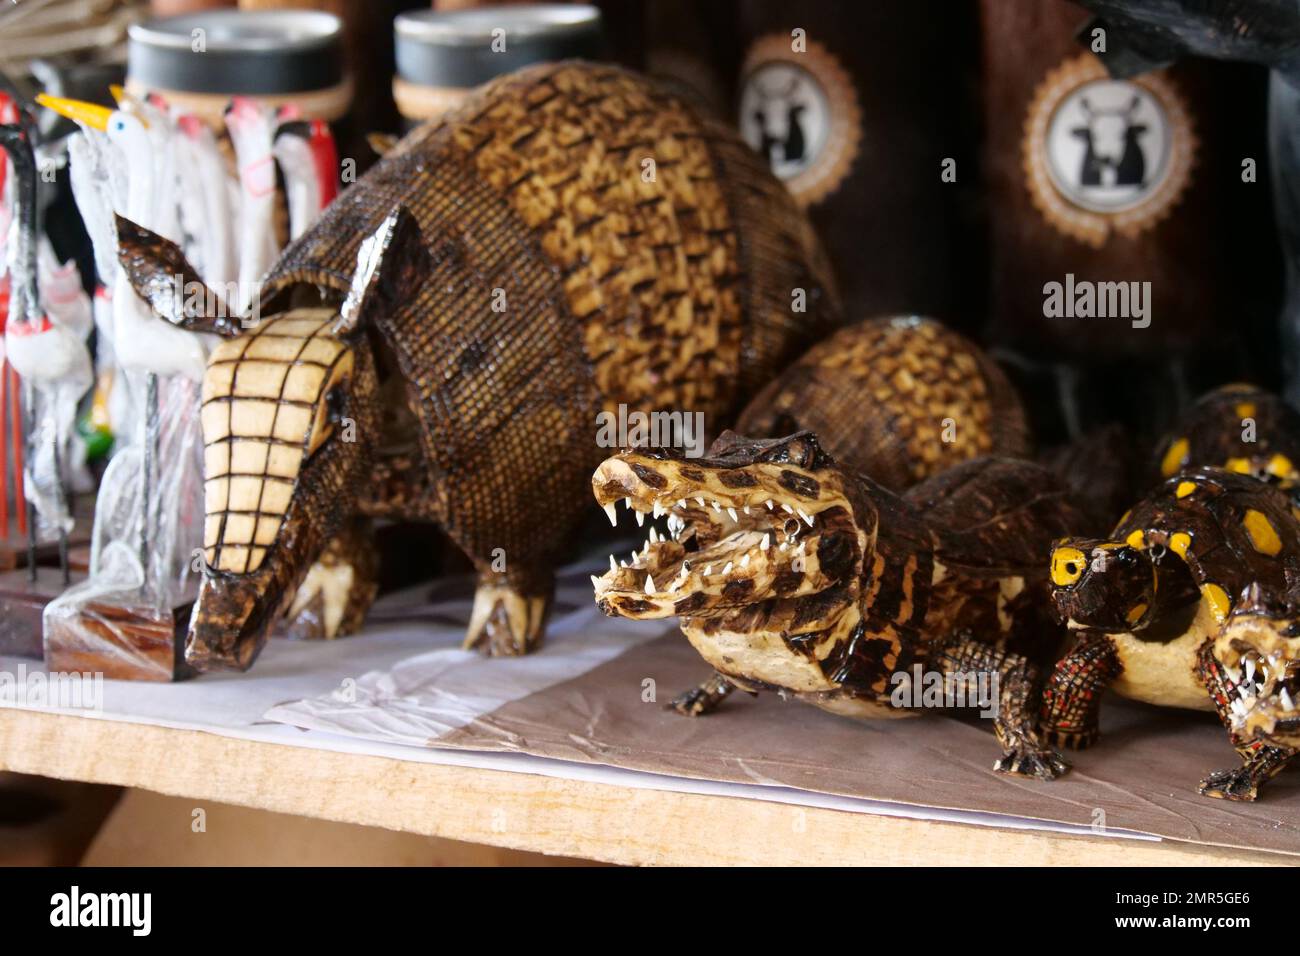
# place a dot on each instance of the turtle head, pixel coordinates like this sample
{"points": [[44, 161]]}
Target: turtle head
{"points": [[290, 420], [1102, 584], [752, 522], [1258, 657]]}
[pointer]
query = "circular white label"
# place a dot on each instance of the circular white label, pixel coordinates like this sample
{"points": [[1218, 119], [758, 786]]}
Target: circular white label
{"points": [[785, 116], [1107, 145]]}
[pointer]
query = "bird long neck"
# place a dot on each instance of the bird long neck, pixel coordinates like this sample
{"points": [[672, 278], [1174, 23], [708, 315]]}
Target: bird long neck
{"points": [[22, 258]]}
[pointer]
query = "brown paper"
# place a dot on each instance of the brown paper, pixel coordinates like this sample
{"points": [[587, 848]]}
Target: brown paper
{"points": [[1141, 776]]}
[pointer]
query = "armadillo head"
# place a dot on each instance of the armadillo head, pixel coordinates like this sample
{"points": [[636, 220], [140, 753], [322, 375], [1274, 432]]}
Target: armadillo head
{"points": [[289, 418], [290, 421]]}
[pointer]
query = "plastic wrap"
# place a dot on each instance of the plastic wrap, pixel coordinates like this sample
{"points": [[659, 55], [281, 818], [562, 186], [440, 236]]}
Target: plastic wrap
{"points": [[123, 620]]}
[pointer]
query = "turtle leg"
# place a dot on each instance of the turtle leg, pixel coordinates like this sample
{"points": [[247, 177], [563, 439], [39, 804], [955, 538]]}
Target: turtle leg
{"points": [[339, 587], [1262, 763], [510, 611], [1019, 681], [703, 699], [1072, 699]]}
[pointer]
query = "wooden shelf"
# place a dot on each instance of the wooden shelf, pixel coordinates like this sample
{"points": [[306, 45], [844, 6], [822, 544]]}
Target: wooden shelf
{"points": [[531, 812]]}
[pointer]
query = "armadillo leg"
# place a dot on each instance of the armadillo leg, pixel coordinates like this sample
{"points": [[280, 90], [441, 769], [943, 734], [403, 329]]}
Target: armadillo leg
{"points": [[964, 661], [1262, 763], [703, 699], [510, 610], [339, 588], [1072, 699]]}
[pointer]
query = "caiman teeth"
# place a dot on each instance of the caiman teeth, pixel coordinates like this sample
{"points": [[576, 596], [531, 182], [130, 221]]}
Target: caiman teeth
{"points": [[611, 514], [649, 585]]}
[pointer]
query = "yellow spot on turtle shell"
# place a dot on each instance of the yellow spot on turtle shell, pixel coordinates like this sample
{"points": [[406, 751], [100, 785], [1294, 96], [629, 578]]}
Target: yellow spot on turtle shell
{"points": [[1246, 410], [1185, 488], [1135, 613], [1262, 533], [1218, 599], [1179, 542], [1280, 466], [1174, 458], [1067, 566], [1136, 540], [1240, 465]]}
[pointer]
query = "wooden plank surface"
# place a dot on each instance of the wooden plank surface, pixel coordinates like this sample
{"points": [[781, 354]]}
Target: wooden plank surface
{"points": [[550, 815]]}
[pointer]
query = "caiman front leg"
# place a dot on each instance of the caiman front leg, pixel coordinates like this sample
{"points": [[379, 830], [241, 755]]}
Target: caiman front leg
{"points": [[703, 699], [339, 588], [963, 659], [1072, 699], [510, 611], [1262, 763]]}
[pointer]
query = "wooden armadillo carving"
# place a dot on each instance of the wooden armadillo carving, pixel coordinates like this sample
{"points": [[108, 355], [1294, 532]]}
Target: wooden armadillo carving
{"points": [[571, 239]]}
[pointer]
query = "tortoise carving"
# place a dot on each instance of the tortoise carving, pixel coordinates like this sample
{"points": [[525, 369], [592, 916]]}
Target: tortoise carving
{"points": [[1191, 603], [440, 343], [792, 574], [934, 399], [1240, 427]]}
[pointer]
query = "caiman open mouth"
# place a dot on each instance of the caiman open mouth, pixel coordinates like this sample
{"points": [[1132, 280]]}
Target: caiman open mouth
{"points": [[1262, 661], [739, 530]]}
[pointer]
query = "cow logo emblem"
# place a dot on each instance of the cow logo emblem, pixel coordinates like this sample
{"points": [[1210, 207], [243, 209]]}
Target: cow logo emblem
{"points": [[1105, 156], [799, 109]]}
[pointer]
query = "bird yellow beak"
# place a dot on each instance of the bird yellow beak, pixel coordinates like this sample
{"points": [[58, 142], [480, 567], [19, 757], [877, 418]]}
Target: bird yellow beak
{"points": [[88, 114], [118, 92]]}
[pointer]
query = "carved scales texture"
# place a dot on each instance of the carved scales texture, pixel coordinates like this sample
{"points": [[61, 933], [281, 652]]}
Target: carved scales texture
{"points": [[261, 418], [877, 395], [668, 291]]}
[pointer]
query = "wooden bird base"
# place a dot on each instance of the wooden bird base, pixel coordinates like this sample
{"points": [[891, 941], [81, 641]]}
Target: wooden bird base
{"points": [[22, 603], [13, 548], [121, 636]]}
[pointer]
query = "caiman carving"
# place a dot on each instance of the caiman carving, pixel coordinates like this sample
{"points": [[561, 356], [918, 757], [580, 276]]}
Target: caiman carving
{"points": [[792, 574], [571, 239]]}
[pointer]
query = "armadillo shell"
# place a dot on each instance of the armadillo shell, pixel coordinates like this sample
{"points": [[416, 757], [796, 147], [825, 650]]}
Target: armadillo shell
{"points": [[898, 399], [594, 241]]}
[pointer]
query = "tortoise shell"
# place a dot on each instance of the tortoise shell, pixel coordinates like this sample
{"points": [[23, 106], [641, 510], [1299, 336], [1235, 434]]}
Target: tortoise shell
{"points": [[991, 516], [1237, 536], [898, 399], [1239, 427]]}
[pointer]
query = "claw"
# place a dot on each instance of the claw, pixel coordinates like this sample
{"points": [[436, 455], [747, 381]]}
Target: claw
{"points": [[1236, 784], [504, 622]]}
